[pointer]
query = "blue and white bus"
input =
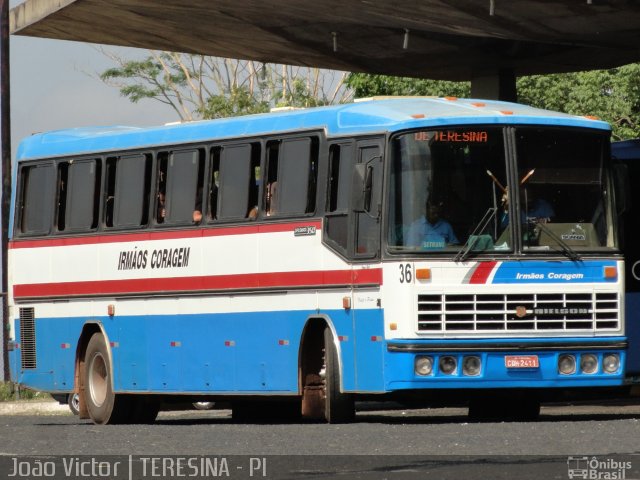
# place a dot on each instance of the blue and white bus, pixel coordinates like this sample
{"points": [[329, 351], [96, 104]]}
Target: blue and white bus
{"points": [[627, 153], [429, 250]]}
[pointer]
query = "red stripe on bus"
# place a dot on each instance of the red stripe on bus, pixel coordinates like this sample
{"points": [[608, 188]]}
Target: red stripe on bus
{"points": [[482, 272], [371, 276], [163, 235]]}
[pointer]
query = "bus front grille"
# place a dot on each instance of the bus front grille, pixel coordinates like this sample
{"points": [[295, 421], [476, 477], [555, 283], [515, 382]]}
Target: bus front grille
{"points": [[28, 338], [556, 312]]}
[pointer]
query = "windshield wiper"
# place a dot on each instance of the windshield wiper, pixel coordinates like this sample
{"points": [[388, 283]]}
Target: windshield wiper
{"points": [[473, 239], [568, 251]]}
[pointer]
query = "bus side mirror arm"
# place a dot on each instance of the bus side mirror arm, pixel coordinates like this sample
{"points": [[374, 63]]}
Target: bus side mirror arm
{"points": [[362, 187]]}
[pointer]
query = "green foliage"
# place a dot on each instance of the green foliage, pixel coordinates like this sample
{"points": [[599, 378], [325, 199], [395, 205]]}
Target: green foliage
{"points": [[366, 85], [207, 87], [198, 86], [612, 95], [157, 73], [298, 95], [7, 393], [237, 102]]}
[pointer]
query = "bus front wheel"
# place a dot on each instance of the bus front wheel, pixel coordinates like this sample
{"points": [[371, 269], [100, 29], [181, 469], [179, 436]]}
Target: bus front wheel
{"points": [[103, 405]]}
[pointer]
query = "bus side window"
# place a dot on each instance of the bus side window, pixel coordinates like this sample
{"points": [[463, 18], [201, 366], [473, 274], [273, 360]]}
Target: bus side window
{"points": [[214, 183], [180, 186], [127, 192], [61, 197], [290, 183], [338, 194], [340, 166], [161, 179], [38, 187], [271, 178], [237, 193], [367, 223], [82, 196], [254, 182]]}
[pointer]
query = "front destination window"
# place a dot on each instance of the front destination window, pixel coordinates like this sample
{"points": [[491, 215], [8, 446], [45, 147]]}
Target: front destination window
{"points": [[449, 191]]}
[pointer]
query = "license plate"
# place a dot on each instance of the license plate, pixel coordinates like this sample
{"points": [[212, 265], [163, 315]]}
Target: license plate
{"points": [[521, 361]]}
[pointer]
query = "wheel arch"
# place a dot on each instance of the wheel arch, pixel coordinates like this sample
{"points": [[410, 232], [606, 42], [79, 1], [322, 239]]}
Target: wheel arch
{"points": [[312, 339]]}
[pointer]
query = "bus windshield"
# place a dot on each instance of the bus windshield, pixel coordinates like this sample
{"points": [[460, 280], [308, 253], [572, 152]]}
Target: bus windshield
{"points": [[450, 192], [564, 190]]}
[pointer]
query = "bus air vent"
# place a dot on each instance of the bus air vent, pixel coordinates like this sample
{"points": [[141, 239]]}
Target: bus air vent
{"points": [[28, 338]]}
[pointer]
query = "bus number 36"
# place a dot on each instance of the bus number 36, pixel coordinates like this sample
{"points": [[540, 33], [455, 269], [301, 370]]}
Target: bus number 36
{"points": [[406, 276]]}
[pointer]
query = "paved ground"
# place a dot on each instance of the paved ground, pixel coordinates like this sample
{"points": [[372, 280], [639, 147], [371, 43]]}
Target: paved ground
{"points": [[381, 444], [33, 407]]}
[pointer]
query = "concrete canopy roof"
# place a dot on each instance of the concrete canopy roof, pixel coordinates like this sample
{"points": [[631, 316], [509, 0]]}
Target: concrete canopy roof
{"points": [[447, 39]]}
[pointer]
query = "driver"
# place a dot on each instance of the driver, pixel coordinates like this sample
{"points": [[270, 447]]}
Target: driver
{"points": [[430, 230]]}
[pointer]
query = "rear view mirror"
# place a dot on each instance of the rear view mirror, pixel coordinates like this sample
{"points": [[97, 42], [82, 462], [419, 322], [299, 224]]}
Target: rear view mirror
{"points": [[361, 187]]}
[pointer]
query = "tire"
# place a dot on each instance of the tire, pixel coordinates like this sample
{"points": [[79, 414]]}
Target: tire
{"points": [[73, 400], [338, 407], [103, 405], [203, 405]]}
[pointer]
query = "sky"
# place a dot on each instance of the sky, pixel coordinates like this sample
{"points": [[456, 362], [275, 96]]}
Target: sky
{"points": [[54, 85]]}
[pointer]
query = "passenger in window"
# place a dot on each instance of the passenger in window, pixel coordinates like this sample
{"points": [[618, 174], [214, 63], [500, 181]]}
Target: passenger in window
{"points": [[197, 210], [161, 211], [430, 231], [213, 202], [253, 213], [272, 196]]}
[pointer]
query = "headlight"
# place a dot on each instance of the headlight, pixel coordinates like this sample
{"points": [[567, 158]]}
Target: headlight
{"points": [[588, 363], [423, 366], [471, 366], [611, 363], [567, 364], [448, 365]]}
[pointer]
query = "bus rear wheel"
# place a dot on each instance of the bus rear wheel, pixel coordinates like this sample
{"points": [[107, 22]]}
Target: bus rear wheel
{"points": [[103, 405]]}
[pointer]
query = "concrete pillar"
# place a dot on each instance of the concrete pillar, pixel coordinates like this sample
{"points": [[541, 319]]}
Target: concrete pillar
{"points": [[5, 133], [498, 86]]}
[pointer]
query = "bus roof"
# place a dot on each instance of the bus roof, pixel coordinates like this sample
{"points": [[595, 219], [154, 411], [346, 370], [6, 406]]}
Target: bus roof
{"points": [[368, 116]]}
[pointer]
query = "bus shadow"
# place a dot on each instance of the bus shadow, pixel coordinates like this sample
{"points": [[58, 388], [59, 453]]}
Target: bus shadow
{"points": [[409, 417], [458, 419]]}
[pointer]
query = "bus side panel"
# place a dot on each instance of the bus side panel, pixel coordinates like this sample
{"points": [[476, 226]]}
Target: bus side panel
{"points": [[369, 344], [54, 356], [631, 248], [266, 353], [632, 315], [342, 321], [245, 352], [131, 356]]}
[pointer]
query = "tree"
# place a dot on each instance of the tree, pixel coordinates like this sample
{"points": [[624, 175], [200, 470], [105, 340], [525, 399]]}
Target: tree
{"points": [[612, 95], [200, 87], [367, 85]]}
